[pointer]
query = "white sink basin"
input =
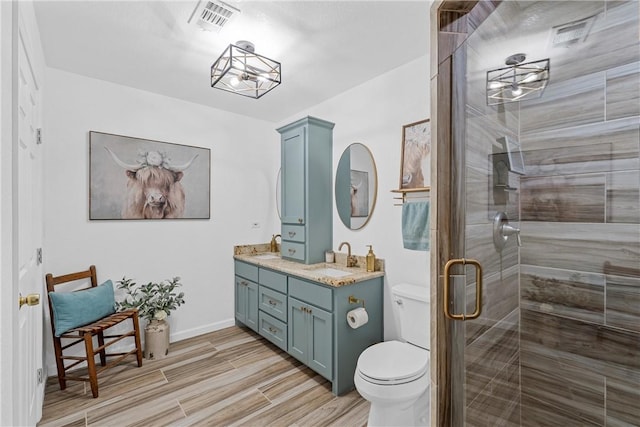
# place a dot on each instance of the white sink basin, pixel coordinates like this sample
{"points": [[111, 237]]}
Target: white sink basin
{"points": [[331, 272], [266, 256]]}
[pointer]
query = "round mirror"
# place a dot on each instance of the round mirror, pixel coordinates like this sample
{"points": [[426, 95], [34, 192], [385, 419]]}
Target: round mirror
{"points": [[356, 186]]}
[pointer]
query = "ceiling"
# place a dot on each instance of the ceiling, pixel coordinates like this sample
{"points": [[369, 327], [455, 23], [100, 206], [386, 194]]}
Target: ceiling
{"points": [[325, 47]]}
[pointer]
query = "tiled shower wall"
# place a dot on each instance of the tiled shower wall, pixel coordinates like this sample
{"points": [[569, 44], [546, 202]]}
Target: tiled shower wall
{"points": [[580, 213], [558, 342]]}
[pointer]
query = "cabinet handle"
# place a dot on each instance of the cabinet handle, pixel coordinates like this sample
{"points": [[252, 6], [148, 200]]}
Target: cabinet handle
{"points": [[273, 331], [292, 251], [292, 233], [243, 283], [273, 303], [300, 220]]}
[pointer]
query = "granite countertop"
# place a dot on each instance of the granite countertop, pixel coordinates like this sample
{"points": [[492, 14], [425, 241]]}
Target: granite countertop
{"points": [[259, 255]]}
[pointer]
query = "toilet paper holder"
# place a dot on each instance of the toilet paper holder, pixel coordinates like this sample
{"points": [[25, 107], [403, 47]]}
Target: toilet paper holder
{"points": [[354, 300]]}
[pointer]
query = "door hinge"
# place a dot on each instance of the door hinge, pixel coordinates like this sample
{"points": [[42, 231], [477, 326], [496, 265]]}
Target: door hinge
{"points": [[39, 136], [39, 256]]}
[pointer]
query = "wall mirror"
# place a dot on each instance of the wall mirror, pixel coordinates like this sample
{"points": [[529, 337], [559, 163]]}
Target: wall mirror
{"points": [[356, 186]]}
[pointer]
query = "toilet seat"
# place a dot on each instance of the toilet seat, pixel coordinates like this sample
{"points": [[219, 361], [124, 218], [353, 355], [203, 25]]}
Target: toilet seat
{"points": [[392, 362]]}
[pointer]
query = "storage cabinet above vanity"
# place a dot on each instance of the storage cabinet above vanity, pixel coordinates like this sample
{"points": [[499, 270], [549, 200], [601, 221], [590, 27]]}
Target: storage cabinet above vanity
{"points": [[306, 204], [307, 316]]}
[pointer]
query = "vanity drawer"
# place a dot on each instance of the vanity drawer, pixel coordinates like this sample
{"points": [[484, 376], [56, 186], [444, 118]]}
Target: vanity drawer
{"points": [[311, 293], [294, 233], [273, 280], [292, 250], [272, 302], [273, 330], [247, 271]]}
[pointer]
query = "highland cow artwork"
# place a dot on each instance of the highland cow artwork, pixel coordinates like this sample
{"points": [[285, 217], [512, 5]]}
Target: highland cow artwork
{"points": [[135, 178], [415, 167]]}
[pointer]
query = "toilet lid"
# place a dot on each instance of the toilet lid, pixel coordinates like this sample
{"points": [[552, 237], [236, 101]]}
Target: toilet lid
{"points": [[393, 362]]}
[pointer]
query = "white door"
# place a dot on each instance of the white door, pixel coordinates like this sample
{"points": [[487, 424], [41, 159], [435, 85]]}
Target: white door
{"points": [[28, 226]]}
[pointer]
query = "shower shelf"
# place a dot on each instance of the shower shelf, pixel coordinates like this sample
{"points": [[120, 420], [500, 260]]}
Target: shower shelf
{"points": [[417, 193]]}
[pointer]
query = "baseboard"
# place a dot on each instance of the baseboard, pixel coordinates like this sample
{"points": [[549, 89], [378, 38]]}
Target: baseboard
{"points": [[200, 330]]}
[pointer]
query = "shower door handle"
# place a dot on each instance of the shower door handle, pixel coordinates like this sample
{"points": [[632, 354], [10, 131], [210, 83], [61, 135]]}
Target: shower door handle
{"points": [[447, 285]]}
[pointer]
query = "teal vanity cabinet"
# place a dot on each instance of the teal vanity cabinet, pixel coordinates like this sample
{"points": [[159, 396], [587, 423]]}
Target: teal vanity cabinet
{"points": [[311, 326], [308, 318], [306, 201], [246, 294], [272, 307], [319, 335]]}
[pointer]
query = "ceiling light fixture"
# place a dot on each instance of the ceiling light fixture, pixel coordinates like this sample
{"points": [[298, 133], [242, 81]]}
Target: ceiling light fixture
{"points": [[518, 81], [240, 70]]}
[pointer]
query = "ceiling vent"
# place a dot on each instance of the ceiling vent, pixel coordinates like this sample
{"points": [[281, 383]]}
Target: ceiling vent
{"points": [[571, 33], [212, 15]]}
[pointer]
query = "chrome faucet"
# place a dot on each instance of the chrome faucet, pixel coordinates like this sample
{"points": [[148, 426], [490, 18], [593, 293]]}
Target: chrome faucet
{"points": [[351, 260]]}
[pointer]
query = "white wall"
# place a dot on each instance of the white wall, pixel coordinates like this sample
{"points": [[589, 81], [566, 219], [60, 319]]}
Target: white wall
{"points": [[244, 161], [373, 114]]}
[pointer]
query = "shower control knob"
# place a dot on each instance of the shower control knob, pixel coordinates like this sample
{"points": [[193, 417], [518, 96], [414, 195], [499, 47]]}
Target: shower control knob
{"points": [[502, 230]]}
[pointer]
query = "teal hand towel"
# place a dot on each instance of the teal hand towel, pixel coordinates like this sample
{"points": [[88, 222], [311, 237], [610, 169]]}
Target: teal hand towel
{"points": [[415, 225]]}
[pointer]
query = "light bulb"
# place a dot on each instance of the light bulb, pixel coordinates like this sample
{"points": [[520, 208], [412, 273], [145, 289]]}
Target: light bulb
{"points": [[234, 81], [530, 78], [516, 90]]}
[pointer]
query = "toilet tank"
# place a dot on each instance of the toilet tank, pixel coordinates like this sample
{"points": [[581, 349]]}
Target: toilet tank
{"points": [[412, 308]]}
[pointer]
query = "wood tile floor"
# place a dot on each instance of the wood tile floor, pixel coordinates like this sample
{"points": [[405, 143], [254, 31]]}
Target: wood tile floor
{"points": [[230, 377]]}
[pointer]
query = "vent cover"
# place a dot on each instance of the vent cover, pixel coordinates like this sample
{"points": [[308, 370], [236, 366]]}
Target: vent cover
{"points": [[571, 33], [212, 15]]}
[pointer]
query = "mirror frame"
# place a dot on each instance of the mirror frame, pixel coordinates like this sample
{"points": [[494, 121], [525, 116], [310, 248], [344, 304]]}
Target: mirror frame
{"points": [[373, 197]]}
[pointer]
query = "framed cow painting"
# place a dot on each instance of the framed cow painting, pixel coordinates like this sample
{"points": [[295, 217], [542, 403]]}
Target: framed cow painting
{"points": [[136, 178], [415, 167]]}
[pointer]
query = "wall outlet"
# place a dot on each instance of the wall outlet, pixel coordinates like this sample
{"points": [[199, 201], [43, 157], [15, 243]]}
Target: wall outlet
{"points": [[255, 224]]}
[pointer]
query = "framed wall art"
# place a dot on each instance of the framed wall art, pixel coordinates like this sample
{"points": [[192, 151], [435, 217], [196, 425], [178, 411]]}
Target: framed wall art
{"points": [[136, 178], [415, 166]]}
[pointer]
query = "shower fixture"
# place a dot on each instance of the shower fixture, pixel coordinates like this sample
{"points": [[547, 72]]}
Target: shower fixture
{"points": [[518, 81]]}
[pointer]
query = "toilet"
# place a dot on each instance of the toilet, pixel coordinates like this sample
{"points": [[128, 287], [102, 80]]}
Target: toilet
{"points": [[394, 375]]}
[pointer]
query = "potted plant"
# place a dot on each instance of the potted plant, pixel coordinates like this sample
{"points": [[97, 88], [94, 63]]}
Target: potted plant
{"points": [[154, 302]]}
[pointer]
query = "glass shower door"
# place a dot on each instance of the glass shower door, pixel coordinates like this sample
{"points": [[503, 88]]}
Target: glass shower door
{"points": [[546, 191]]}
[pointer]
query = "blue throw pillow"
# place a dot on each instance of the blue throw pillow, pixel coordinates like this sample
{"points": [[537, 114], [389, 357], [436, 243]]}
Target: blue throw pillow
{"points": [[73, 309]]}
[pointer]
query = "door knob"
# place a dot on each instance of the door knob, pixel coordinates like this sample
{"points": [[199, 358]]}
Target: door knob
{"points": [[31, 299]]}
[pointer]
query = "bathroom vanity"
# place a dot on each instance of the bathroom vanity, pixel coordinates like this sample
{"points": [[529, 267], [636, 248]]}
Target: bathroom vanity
{"points": [[302, 308]]}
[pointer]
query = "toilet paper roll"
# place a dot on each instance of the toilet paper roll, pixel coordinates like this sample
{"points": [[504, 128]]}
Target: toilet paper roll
{"points": [[357, 317]]}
